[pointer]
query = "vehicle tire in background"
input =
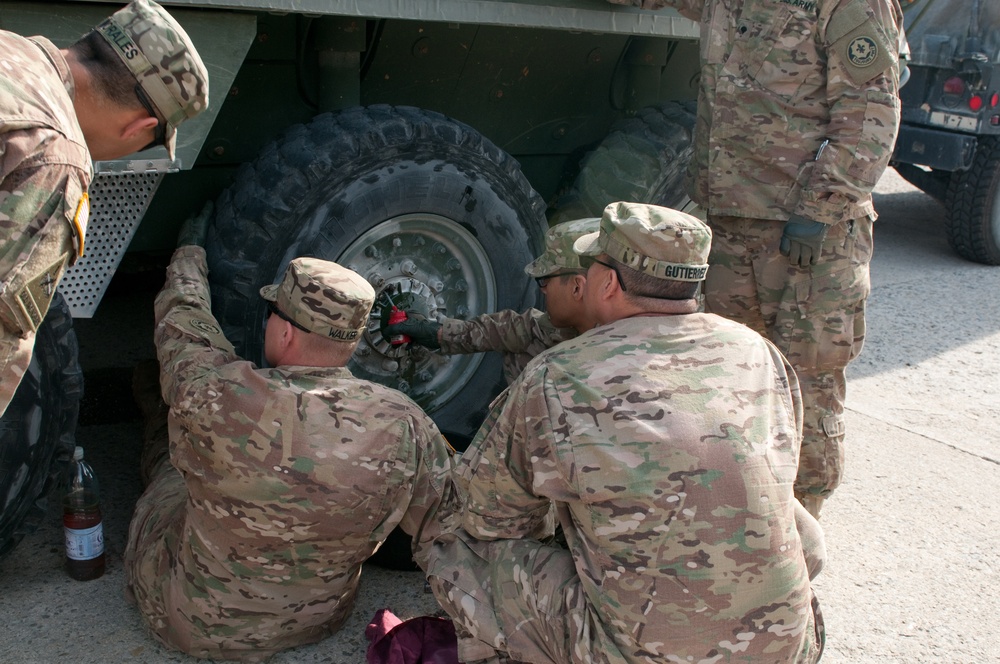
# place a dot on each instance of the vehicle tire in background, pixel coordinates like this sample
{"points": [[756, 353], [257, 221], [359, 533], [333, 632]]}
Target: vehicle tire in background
{"points": [[933, 182], [643, 159], [973, 204], [423, 206], [38, 429]]}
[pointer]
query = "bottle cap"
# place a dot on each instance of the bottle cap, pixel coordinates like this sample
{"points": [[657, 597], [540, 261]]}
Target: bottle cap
{"points": [[77, 453]]}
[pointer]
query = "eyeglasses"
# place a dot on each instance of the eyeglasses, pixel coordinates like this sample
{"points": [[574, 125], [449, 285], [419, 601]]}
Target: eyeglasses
{"points": [[543, 281], [617, 274], [283, 316], [160, 135]]}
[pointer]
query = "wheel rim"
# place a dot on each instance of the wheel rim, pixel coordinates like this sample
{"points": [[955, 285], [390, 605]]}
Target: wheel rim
{"points": [[429, 264]]}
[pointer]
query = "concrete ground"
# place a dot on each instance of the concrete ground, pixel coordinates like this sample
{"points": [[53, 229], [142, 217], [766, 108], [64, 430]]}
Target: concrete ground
{"points": [[911, 534]]}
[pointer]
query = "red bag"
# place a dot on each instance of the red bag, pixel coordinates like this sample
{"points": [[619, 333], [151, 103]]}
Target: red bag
{"points": [[420, 640]]}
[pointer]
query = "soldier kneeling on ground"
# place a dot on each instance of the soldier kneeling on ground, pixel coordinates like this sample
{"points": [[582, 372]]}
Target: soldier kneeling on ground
{"points": [[667, 442]]}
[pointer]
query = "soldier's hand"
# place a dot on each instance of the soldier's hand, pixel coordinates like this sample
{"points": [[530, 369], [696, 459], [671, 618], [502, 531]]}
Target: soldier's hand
{"points": [[194, 230], [421, 331], [802, 240]]}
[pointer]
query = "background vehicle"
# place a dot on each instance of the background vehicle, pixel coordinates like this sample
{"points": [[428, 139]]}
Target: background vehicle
{"points": [[949, 141], [424, 144]]}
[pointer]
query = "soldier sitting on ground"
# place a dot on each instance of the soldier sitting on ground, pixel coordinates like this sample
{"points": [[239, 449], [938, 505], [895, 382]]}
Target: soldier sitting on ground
{"points": [[279, 483], [667, 441], [560, 274]]}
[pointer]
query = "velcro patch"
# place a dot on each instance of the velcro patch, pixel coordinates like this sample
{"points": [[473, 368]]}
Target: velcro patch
{"points": [[36, 295], [201, 324], [861, 45]]}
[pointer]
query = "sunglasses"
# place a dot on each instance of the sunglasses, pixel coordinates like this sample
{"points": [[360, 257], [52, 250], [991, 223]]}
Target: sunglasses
{"points": [[617, 274], [160, 135], [543, 281], [283, 316]]}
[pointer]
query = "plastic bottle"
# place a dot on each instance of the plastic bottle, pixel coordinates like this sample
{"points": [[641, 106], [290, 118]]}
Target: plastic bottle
{"points": [[82, 521]]}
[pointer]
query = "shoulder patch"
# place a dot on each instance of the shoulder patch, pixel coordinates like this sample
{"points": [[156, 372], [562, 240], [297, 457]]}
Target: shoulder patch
{"points": [[205, 326], [862, 51], [200, 325], [865, 53], [860, 44]]}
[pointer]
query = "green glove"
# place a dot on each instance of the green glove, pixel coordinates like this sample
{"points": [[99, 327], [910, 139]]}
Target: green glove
{"points": [[802, 240], [194, 230], [422, 332]]}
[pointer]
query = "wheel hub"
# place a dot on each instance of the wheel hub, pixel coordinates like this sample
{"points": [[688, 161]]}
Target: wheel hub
{"points": [[430, 266]]}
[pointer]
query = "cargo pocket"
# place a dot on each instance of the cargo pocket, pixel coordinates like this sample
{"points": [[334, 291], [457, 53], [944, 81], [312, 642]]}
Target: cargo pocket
{"points": [[820, 323]]}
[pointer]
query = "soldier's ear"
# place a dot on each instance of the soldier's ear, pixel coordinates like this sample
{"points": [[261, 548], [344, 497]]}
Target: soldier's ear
{"points": [[284, 338], [138, 126], [609, 284]]}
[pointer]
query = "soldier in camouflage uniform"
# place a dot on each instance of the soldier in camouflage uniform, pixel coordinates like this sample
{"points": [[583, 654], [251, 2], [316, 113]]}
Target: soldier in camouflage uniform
{"points": [[560, 274], [125, 86], [667, 441], [280, 482], [797, 117]]}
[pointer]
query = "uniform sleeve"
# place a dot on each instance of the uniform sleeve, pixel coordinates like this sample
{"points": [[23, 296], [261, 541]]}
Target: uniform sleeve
{"points": [[810, 531], [42, 209], [861, 39], [47, 199], [434, 499], [812, 538], [505, 331], [511, 466], [189, 341]]}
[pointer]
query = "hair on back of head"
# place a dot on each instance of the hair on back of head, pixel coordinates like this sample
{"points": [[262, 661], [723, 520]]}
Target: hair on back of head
{"points": [[639, 284], [108, 74]]}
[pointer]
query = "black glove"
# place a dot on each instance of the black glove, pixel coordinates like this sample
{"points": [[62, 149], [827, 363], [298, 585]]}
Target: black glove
{"points": [[802, 240], [422, 332], [194, 230]]}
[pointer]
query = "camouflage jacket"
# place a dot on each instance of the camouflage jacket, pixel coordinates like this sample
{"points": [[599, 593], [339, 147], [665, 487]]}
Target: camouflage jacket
{"points": [[520, 337], [45, 170], [668, 446], [799, 105], [294, 475]]}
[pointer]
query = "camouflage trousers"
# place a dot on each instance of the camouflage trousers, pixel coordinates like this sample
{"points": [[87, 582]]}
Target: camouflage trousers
{"points": [[158, 514], [516, 600], [522, 601], [167, 568], [814, 315]]}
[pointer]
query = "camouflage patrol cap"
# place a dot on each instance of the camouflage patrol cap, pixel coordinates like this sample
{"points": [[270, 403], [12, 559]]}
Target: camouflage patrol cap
{"points": [[163, 60], [559, 254], [323, 297], [664, 243]]}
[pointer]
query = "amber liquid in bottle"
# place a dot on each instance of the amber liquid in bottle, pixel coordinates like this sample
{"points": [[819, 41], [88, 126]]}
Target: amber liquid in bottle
{"points": [[84, 535]]}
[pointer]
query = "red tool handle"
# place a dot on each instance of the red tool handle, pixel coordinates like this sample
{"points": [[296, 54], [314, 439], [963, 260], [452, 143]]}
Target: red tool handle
{"points": [[397, 315]]}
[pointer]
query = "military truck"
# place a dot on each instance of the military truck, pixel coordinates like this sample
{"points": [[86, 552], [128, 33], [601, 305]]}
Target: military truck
{"points": [[949, 140], [426, 145]]}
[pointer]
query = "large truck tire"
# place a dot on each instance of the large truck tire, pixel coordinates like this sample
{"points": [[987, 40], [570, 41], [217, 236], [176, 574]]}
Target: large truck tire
{"points": [[423, 206], [38, 429], [643, 159], [973, 204]]}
